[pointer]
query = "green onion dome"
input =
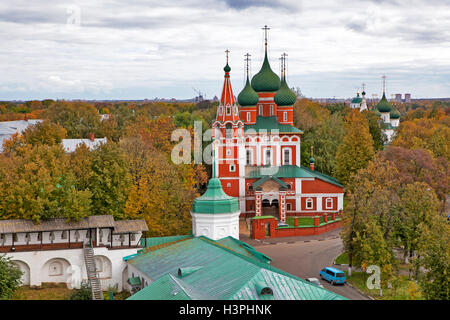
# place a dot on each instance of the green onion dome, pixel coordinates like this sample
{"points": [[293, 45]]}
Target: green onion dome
{"points": [[285, 96], [357, 99], [312, 160], [227, 68], [384, 105], [248, 96], [215, 200], [266, 80], [394, 114]]}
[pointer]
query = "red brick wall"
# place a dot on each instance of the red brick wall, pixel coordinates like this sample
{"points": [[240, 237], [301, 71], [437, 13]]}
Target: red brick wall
{"points": [[319, 186]]}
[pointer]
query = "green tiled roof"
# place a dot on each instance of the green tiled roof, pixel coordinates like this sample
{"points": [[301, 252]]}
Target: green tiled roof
{"points": [[226, 275], [268, 124], [215, 200], [248, 96], [291, 171], [384, 105], [264, 179], [266, 80]]}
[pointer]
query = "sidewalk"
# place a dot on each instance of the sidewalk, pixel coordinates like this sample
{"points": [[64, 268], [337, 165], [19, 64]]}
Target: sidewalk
{"points": [[333, 234]]}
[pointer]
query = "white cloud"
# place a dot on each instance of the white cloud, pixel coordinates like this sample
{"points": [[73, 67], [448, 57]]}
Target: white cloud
{"points": [[141, 49]]}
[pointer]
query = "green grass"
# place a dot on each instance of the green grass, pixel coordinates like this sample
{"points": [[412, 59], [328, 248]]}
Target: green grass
{"points": [[302, 221], [342, 258], [45, 292], [402, 288]]}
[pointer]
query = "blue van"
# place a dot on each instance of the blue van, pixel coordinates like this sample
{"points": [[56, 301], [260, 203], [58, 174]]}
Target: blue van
{"points": [[332, 275]]}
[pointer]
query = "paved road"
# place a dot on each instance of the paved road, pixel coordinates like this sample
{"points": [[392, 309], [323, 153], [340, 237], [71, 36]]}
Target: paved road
{"points": [[306, 259]]}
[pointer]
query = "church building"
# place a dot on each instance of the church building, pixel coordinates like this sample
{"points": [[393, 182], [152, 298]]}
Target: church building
{"points": [[257, 155]]}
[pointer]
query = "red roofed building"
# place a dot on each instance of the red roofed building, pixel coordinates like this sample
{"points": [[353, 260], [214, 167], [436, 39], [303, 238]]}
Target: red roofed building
{"points": [[257, 151]]}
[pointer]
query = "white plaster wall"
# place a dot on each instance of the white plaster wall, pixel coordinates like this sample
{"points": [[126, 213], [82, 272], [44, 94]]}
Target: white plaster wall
{"points": [[37, 260]]}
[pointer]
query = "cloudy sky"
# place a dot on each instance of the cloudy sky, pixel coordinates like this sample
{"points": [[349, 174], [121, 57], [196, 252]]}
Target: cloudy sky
{"points": [[136, 49]]}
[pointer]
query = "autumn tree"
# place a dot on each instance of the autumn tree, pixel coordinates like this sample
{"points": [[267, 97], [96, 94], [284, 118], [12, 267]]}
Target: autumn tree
{"points": [[356, 149], [434, 252], [9, 277], [38, 184], [325, 138], [78, 118], [109, 180], [375, 129]]}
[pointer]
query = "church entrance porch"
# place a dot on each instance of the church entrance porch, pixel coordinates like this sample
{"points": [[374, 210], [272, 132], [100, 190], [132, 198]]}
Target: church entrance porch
{"points": [[270, 208]]}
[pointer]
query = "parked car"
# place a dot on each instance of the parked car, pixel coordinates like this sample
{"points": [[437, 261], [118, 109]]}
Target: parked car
{"points": [[314, 281], [333, 275]]}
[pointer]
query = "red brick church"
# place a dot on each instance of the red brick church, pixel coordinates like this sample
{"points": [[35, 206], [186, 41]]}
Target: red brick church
{"points": [[257, 151]]}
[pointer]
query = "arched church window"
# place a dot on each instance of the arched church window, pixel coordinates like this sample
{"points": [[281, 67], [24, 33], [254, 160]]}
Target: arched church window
{"points": [[228, 110], [268, 159], [260, 110], [284, 116], [248, 116], [64, 235], [232, 168], [271, 110], [249, 157], [287, 156], [229, 130], [288, 207]]}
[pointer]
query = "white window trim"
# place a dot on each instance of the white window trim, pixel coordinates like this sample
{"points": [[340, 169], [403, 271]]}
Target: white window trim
{"points": [[248, 116], [309, 203], [284, 116], [329, 201], [265, 156], [249, 156], [289, 157]]}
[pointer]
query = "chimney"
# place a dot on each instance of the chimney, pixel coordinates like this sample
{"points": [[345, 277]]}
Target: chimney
{"points": [[91, 137], [311, 163]]}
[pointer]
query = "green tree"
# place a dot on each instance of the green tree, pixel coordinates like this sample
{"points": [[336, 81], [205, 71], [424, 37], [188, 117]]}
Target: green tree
{"points": [[9, 278], [418, 205], [356, 149], [39, 184], [434, 253], [325, 138], [375, 129], [109, 181], [78, 118]]}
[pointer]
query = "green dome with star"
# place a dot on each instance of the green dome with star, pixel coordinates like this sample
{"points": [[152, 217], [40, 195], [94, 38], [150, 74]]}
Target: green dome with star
{"points": [[384, 105], [285, 96], [266, 80], [248, 96]]}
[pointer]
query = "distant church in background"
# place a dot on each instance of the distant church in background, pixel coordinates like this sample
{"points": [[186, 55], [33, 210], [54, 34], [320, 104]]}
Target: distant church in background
{"points": [[384, 109]]}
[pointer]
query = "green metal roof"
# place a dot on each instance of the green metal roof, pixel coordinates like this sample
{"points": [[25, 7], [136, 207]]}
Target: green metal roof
{"points": [[248, 96], [264, 179], [285, 96], [268, 124], [155, 241], [291, 171], [383, 105], [226, 275], [266, 80], [215, 200], [357, 99]]}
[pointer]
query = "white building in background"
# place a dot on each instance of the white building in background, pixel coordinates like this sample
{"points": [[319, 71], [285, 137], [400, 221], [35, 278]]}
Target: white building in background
{"points": [[52, 251], [359, 102], [8, 128], [70, 145]]}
